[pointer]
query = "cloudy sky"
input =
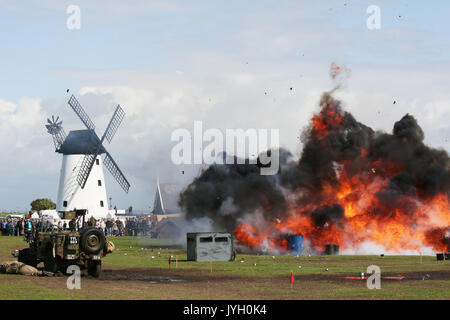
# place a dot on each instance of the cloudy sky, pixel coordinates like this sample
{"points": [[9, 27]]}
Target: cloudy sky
{"points": [[169, 63]]}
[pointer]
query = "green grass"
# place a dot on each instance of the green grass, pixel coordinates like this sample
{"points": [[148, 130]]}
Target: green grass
{"points": [[138, 252], [20, 287], [267, 280]]}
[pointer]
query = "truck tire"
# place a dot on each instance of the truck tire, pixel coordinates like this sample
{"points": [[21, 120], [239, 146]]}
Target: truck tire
{"points": [[92, 240], [94, 268]]}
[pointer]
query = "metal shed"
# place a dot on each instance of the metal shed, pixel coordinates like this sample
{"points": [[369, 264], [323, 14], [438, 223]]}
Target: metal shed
{"points": [[206, 246]]}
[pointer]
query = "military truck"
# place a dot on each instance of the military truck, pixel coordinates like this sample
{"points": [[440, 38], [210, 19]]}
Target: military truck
{"points": [[59, 249]]}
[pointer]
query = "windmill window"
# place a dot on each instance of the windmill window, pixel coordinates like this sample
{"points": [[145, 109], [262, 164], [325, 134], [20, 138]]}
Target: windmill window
{"points": [[97, 162], [64, 204], [99, 183], [221, 239], [101, 203]]}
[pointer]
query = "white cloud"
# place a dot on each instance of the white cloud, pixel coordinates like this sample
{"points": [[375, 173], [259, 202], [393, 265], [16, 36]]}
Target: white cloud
{"points": [[230, 66]]}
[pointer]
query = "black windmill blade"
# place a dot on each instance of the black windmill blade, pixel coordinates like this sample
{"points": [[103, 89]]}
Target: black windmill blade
{"points": [[89, 159], [55, 129]]}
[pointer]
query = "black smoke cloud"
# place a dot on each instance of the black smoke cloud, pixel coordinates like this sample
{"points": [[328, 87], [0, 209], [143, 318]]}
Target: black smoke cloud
{"points": [[226, 193]]}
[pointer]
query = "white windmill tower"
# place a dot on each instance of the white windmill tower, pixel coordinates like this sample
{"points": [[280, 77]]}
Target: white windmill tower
{"points": [[81, 183]]}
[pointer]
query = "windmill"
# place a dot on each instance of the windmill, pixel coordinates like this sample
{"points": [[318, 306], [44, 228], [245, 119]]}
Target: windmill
{"points": [[81, 184]]}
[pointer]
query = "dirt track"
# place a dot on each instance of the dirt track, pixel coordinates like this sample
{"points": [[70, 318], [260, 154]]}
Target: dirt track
{"points": [[135, 283]]}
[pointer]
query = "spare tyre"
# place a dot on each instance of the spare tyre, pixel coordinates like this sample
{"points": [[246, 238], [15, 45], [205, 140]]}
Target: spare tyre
{"points": [[92, 240]]}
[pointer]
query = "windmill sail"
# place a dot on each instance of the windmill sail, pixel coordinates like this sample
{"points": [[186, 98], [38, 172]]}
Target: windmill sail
{"points": [[85, 169], [93, 145], [112, 167], [114, 124], [76, 106]]}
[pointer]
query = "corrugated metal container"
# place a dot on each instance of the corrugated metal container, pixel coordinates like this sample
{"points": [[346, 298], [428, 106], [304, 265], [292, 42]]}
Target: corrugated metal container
{"points": [[209, 246], [296, 244]]}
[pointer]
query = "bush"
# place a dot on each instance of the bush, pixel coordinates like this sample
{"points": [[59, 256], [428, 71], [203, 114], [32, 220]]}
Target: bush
{"points": [[42, 204]]}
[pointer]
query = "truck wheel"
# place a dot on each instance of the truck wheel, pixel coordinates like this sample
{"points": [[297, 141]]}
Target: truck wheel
{"points": [[92, 240], [94, 268]]}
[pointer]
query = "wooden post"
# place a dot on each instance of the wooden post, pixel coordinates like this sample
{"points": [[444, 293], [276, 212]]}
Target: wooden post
{"points": [[420, 257], [176, 261], [210, 265]]}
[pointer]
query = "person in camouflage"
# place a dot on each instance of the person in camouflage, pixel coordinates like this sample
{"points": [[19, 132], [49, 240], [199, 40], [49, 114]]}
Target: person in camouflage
{"points": [[16, 267]]}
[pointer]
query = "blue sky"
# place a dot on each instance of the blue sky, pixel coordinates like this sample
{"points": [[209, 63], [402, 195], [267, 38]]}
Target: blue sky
{"points": [[169, 63]]}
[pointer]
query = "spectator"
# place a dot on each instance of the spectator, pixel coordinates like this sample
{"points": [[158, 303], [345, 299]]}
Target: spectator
{"points": [[92, 221], [11, 227], [72, 225], [38, 226], [20, 226], [119, 227], [115, 229], [109, 227], [4, 227], [103, 225]]}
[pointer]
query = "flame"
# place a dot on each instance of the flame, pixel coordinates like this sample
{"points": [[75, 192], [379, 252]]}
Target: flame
{"points": [[409, 222]]}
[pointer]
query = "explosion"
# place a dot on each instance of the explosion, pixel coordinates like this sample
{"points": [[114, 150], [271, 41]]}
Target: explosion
{"points": [[351, 185]]}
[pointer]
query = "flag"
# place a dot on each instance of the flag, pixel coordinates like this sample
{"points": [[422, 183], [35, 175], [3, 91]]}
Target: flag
{"points": [[292, 278]]}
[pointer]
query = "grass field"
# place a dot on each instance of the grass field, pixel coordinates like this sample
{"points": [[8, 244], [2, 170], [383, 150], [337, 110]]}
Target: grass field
{"points": [[139, 269]]}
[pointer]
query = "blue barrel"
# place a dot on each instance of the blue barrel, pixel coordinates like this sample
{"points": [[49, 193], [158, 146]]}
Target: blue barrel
{"points": [[296, 244]]}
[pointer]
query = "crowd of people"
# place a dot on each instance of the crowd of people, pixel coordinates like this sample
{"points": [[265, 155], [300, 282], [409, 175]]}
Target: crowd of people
{"points": [[23, 226], [13, 226], [131, 226]]}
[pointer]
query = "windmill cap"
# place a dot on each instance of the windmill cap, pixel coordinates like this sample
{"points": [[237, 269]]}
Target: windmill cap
{"points": [[80, 142]]}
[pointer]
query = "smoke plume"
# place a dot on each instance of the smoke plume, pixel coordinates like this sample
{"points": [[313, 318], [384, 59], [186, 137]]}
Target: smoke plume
{"points": [[351, 185]]}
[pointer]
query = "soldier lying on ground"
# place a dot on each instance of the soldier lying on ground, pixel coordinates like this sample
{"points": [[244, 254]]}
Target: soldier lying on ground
{"points": [[16, 267]]}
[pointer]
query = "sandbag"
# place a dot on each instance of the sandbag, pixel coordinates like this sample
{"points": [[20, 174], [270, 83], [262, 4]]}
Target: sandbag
{"points": [[27, 270], [109, 246], [16, 267], [11, 267]]}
